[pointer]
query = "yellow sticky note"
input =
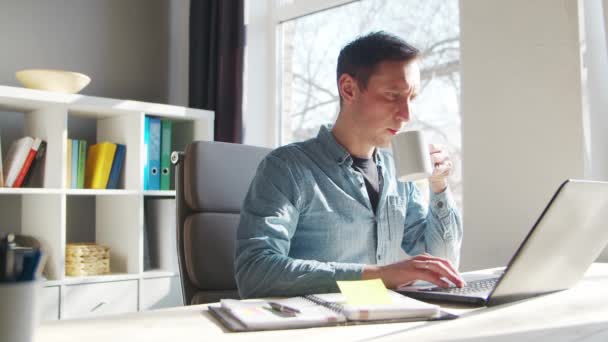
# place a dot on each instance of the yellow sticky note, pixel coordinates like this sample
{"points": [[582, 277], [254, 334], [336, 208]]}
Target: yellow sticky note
{"points": [[364, 292]]}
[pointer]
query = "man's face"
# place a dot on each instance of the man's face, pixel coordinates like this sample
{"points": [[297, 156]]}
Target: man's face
{"points": [[383, 107]]}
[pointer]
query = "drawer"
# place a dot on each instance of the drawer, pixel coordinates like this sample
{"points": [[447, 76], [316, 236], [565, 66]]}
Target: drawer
{"points": [[92, 300], [49, 303], [158, 293]]}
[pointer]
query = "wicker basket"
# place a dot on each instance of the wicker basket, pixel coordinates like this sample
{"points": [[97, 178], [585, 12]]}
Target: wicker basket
{"points": [[84, 259]]}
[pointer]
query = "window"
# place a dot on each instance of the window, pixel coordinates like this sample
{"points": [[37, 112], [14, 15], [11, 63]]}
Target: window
{"points": [[309, 46]]}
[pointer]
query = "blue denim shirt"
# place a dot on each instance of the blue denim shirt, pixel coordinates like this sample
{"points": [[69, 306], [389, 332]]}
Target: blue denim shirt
{"points": [[307, 221]]}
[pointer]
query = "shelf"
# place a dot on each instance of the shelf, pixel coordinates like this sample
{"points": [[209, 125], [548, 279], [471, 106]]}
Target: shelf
{"points": [[69, 280], [159, 193], [81, 192], [99, 278], [30, 191], [158, 274], [103, 192], [23, 99], [123, 219]]}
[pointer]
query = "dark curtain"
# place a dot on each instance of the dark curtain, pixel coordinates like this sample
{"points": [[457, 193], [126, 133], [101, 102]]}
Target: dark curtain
{"points": [[217, 39]]}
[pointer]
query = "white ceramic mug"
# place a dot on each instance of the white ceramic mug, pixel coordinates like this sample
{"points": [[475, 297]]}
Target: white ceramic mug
{"points": [[412, 156], [19, 310]]}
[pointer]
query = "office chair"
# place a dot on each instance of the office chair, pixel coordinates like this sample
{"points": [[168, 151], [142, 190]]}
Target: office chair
{"points": [[211, 181]]}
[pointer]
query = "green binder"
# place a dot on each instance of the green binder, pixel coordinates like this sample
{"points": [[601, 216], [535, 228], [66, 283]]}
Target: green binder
{"points": [[82, 157], [165, 154]]}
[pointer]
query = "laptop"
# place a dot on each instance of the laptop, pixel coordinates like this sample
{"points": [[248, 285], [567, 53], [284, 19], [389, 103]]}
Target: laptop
{"points": [[566, 239]]}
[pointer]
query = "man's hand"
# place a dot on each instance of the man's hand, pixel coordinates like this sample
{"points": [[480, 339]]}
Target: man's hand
{"points": [[421, 267], [442, 167]]}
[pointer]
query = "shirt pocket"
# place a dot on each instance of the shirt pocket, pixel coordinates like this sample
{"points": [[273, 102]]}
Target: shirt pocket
{"points": [[396, 211]]}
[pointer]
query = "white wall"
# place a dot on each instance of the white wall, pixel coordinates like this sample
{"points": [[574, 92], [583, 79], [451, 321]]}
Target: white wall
{"points": [[122, 45], [523, 118], [131, 49]]}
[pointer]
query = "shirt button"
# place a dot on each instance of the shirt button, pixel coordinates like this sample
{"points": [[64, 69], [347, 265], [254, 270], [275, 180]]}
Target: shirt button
{"points": [[379, 257], [440, 204]]}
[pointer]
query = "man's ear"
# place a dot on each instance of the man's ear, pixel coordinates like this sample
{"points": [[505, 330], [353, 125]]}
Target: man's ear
{"points": [[348, 88]]}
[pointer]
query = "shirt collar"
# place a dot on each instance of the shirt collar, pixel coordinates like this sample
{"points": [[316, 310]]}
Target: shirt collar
{"points": [[336, 151]]}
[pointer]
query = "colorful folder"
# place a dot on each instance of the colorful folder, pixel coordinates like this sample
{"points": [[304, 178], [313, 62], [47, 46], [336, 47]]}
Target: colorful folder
{"points": [[154, 154], [165, 154]]}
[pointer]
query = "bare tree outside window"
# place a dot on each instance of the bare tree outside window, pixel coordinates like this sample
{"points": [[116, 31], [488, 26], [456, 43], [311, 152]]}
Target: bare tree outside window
{"points": [[310, 46]]}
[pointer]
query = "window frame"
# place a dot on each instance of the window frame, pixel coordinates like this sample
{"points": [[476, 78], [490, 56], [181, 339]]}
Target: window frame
{"points": [[263, 27]]}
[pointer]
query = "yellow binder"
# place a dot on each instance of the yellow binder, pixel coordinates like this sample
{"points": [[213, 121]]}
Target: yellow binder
{"points": [[99, 164]]}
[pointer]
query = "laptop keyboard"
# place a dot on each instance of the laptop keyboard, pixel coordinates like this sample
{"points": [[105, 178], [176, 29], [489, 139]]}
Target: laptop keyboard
{"points": [[472, 287]]}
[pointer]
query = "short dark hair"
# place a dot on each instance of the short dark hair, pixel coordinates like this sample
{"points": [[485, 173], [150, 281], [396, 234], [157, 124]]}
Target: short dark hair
{"points": [[360, 57]]}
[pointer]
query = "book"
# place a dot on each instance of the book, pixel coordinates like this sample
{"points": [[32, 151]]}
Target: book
{"points": [[28, 163], [154, 154], [82, 157], [15, 157], [68, 165], [35, 177], [146, 148], [98, 165], [320, 310], [165, 154], [119, 157], [74, 173]]}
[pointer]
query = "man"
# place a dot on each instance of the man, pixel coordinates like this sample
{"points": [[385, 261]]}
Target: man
{"points": [[330, 208]]}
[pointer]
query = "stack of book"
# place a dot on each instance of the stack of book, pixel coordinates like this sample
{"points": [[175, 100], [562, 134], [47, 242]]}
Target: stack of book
{"points": [[99, 168], [157, 147], [23, 164]]}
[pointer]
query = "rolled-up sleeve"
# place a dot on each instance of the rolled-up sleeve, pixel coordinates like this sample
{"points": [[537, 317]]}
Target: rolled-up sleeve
{"points": [[435, 228], [269, 219]]}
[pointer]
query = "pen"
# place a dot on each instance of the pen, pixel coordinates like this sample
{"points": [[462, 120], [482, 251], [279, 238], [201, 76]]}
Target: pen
{"points": [[283, 308]]}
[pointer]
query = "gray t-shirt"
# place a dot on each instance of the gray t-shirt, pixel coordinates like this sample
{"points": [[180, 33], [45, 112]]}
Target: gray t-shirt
{"points": [[373, 181]]}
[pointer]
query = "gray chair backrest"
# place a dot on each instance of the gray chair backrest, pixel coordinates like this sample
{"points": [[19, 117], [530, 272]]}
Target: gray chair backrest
{"points": [[212, 179]]}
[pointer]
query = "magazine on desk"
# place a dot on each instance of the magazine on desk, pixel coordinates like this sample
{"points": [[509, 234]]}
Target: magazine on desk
{"points": [[319, 310]]}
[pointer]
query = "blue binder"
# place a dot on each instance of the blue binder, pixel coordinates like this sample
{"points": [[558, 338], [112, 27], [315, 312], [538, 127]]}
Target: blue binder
{"points": [[146, 144], [119, 157], [154, 154]]}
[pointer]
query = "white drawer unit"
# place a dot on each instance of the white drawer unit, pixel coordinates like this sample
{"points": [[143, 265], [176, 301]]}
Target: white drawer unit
{"points": [[98, 299], [49, 303], [158, 293]]}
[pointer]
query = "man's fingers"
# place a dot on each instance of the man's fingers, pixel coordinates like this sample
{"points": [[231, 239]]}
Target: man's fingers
{"points": [[420, 260], [442, 169], [431, 277], [439, 157], [428, 257], [434, 148], [439, 270]]}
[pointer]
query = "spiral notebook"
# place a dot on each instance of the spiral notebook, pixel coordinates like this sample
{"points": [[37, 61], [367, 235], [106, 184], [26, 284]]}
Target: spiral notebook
{"points": [[320, 310]]}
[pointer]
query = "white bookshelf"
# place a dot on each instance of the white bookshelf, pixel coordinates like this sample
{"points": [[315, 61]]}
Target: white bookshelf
{"points": [[115, 218]]}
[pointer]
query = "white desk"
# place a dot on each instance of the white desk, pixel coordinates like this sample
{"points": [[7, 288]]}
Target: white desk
{"points": [[578, 314]]}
